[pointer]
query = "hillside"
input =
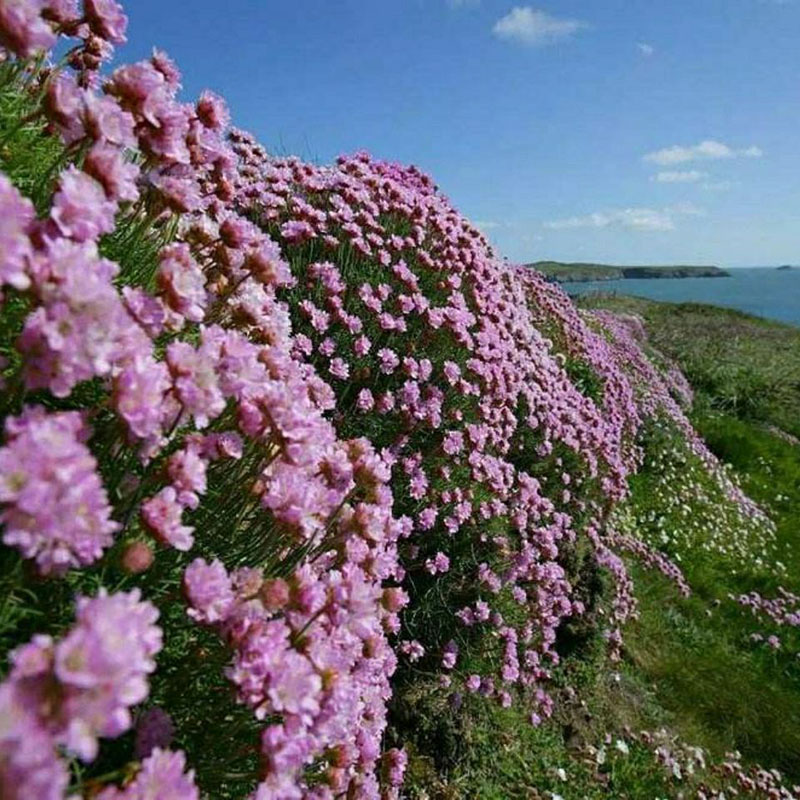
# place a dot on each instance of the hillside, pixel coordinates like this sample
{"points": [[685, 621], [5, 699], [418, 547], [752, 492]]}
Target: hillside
{"points": [[579, 272], [306, 494]]}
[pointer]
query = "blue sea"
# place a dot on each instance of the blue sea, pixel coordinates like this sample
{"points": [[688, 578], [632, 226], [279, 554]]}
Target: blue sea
{"points": [[764, 291]]}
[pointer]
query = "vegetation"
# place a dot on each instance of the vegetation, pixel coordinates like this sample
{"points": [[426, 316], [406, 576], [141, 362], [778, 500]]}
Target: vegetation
{"points": [[304, 493]]}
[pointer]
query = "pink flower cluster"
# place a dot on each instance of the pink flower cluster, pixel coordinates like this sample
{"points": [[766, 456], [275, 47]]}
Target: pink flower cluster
{"points": [[56, 510], [494, 389], [310, 655], [69, 693]]}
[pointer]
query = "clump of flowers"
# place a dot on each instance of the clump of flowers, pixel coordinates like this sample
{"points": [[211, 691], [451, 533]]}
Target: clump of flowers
{"points": [[71, 692], [55, 509]]}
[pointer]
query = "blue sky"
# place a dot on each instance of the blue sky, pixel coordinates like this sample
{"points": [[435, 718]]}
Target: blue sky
{"points": [[626, 131]]}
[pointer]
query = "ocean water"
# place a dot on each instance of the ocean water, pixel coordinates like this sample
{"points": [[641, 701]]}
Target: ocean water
{"points": [[766, 291]]}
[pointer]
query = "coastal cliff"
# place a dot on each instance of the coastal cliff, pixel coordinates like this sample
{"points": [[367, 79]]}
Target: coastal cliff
{"points": [[579, 272]]}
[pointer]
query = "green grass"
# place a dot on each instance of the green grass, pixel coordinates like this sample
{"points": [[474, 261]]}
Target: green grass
{"points": [[722, 690]]}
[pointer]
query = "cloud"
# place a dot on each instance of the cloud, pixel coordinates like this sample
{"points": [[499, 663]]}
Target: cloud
{"points": [[635, 219], [645, 49], [689, 176], [487, 225], [708, 149], [687, 209], [535, 28]]}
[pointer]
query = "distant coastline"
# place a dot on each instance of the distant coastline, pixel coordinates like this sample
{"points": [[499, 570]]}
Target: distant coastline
{"points": [[580, 272]]}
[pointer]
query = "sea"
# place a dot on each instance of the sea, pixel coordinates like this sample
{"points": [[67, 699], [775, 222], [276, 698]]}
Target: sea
{"points": [[764, 291]]}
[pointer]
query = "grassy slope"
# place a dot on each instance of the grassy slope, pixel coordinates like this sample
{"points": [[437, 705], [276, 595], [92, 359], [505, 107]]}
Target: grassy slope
{"points": [[690, 665]]}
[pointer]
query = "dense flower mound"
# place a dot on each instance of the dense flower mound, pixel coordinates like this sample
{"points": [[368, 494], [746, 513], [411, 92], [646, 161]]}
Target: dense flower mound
{"points": [[305, 411]]}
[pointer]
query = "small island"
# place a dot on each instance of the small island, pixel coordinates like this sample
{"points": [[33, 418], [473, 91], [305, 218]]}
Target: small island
{"points": [[785, 267], [577, 272]]}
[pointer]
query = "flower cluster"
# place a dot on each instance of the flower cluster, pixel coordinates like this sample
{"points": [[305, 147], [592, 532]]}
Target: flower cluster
{"points": [[162, 775], [55, 508], [69, 693]]}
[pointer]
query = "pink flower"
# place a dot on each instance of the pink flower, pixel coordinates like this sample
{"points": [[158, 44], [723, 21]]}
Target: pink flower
{"points": [[64, 12], [22, 29], [440, 563], [139, 397], [339, 369], [296, 231], [187, 470], [16, 218], [55, 507], [107, 165], [394, 764], [106, 19], [196, 382], [450, 655], [163, 776], [162, 516], [294, 686], [167, 68], [208, 590], [182, 282], [365, 401], [81, 210], [29, 766], [265, 263], [108, 123], [212, 111]]}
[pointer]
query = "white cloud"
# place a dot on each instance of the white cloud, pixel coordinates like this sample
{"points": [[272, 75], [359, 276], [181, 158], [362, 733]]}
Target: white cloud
{"points": [[708, 149], [635, 219], [533, 27], [645, 49], [688, 176], [687, 209], [752, 152]]}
